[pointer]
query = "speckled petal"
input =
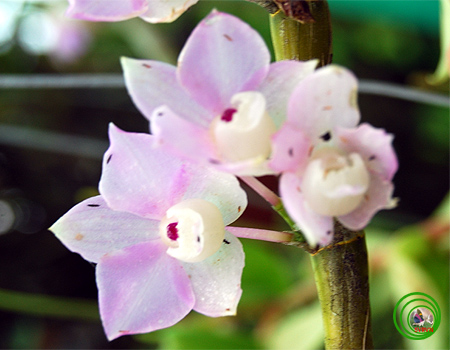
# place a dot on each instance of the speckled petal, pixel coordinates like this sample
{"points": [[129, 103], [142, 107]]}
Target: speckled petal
{"points": [[378, 197], [317, 229], [324, 100], [91, 229], [216, 281], [290, 149], [374, 145], [160, 11], [223, 56], [142, 289], [139, 177], [185, 138], [144, 179], [152, 84], [106, 10], [283, 77]]}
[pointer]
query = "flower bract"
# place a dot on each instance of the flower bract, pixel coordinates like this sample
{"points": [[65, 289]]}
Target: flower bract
{"points": [[223, 102], [331, 166], [157, 233], [153, 11]]}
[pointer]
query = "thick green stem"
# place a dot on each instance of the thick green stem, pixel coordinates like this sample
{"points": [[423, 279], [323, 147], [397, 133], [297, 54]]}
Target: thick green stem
{"points": [[340, 269], [293, 40], [342, 280]]}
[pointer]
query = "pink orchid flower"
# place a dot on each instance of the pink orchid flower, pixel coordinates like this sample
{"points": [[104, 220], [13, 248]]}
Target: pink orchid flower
{"points": [[157, 234], [153, 11], [331, 168], [223, 102]]}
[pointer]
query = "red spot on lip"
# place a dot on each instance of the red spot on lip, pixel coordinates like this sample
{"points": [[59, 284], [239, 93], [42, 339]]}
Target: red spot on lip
{"points": [[227, 115], [228, 37], [172, 231], [146, 65], [327, 108]]}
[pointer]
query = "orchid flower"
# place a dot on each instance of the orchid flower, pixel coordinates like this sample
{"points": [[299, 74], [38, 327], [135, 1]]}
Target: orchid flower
{"points": [[223, 102], [331, 168], [157, 234], [153, 11]]}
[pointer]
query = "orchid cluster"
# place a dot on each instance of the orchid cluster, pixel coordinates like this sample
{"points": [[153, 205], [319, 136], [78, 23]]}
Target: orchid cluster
{"points": [[158, 230]]}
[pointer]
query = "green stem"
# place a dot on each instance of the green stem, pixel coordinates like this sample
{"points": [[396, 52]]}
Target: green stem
{"points": [[342, 280], [293, 40], [340, 269]]}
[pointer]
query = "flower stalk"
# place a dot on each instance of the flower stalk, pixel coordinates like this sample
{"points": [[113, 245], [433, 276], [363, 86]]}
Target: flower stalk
{"points": [[342, 280], [341, 268]]}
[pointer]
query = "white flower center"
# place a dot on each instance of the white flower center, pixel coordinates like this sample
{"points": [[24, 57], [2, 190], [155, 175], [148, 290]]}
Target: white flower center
{"points": [[193, 230], [244, 131], [334, 184]]}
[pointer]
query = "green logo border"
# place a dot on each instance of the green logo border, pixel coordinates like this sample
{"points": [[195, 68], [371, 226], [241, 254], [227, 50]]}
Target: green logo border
{"points": [[432, 306]]}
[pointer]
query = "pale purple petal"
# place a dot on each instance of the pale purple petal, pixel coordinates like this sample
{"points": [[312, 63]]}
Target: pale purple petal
{"points": [[183, 137], [152, 84], [142, 289], [91, 229], [139, 177], [374, 145], [219, 188], [216, 281], [222, 57], [316, 228], [106, 10], [290, 149], [281, 80], [166, 10], [324, 100], [378, 196], [249, 167]]}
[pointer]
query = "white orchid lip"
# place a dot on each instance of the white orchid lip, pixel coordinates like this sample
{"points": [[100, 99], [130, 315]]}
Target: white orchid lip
{"points": [[193, 230], [244, 131], [335, 184]]}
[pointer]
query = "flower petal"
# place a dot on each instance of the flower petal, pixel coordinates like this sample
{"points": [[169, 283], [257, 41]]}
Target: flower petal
{"points": [[216, 281], [142, 289], [143, 179], [91, 229], [183, 137], [106, 10], [152, 84], [219, 188], [318, 229], [378, 196], [323, 100], [290, 149], [223, 56], [283, 77], [374, 145], [139, 177], [166, 10]]}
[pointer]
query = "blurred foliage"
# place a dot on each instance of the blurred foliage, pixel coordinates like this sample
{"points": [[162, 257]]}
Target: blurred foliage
{"points": [[40, 280]]}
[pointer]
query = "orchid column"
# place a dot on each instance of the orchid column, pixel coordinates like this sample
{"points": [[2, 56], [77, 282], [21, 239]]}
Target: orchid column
{"points": [[341, 268]]}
